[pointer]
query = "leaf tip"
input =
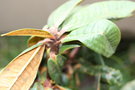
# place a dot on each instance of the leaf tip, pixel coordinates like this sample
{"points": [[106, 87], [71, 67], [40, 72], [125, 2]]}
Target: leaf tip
{"points": [[3, 35]]}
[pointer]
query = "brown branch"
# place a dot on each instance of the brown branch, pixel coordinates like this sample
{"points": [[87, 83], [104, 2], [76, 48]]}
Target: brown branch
{"points": [[73, 53]]}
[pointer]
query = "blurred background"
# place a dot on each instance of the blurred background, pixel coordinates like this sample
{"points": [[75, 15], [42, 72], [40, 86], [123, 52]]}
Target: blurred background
{"points": [[17, 14]]}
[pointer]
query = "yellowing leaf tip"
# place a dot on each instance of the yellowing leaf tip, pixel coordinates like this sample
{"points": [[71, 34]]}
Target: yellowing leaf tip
{"points": [[3, 35]]}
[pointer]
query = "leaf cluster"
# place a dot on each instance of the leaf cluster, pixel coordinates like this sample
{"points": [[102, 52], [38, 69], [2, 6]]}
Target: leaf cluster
{"points": [[75, 41]]}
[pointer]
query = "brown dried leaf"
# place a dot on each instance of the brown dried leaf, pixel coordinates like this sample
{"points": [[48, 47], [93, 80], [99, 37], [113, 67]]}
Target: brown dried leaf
{"points": [[29, 32], [21, 72], [34, 40]]}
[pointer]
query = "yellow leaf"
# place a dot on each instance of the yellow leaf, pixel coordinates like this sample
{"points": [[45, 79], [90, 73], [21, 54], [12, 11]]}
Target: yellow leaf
{"points": [[29, 32], [21, 72], [34, 40]]}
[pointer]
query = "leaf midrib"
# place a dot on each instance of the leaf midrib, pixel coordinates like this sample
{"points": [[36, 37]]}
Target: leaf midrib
{"points": [[25, 66]]}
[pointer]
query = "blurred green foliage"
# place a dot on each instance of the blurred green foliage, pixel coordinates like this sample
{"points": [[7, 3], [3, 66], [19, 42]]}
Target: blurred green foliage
{"points": [[10, 47]]}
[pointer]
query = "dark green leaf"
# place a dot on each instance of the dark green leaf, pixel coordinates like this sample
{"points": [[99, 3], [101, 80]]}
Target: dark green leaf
{"points": [[54, 70], [42, 77], [61, 60]]}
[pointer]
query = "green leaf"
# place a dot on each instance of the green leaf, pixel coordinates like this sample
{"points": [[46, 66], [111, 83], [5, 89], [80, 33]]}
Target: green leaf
{"points": [[102, 36], [54, 70], [42, 76], [113, 10], [64, 48], [61, 61], [109, 75], [129, 86], [61, 13]]}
